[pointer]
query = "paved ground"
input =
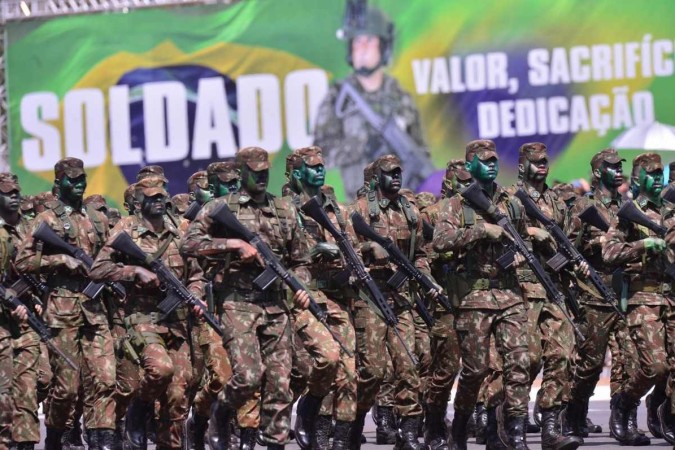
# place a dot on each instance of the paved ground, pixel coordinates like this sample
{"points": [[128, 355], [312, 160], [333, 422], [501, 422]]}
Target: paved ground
{"points": [[598, 412]]}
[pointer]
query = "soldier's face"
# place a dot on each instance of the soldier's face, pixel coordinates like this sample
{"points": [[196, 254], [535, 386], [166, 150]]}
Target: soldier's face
{"points": [[483, 171], [366, 53], [651, 182], [612, 175], [313, 176], [201, 195], [72, 189], [390, 181], [255, 182], [10, 201], [154, 206], [536, 170]]}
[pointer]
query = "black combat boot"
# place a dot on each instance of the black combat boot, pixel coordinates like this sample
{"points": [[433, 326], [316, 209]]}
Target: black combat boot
{"points": [[435, 431], [385, 433], [136, 424], [357, 431], [92, 439], [198, 431], [106, 439], [634, 436], [341, 435], [531, 427], [654, 400], [571, 419], [53, 439], [406, 437], [305, 428], [481, 423], [536, 412], [220, 426], [515, 428], [275, 447], [25, 446], [119, 434], [247, 438], [551, 438], [593, 428], [71, 439], [667, 422], [459, 430], [322, 430], [617, 419], [491, 436]]}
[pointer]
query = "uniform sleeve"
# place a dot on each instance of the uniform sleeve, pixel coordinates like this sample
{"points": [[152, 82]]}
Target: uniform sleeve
{"points": [[421, 257], [449, 235], [105, 267], [29, 259], [198, 241], [617, 250], [298, 248]]}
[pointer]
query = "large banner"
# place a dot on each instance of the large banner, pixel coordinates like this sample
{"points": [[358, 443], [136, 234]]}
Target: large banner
{"points": [[183, 87]]}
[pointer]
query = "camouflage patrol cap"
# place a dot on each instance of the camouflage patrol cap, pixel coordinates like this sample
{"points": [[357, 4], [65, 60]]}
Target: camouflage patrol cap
{"points": [[387, 163], [368, 172], [255, 158], [150, 171], [180, 202], [71, 167], [198, 179], [27, 202], [9, 182], [648, 161], [565, 191], [129, 193], [150, 186], [312, 156], [463, 175], [97, 201], [425, 199], [293, 161], [608, 155], [224, 170], [532, 151], [483, 148]]}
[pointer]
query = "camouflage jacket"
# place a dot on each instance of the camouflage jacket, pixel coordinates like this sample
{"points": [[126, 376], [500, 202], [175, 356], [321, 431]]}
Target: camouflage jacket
{"points": [[590, 240], [350, 143], [10, 238], [460, 228], [275, 222], [85, 228], [141, 303], [643, 270]]}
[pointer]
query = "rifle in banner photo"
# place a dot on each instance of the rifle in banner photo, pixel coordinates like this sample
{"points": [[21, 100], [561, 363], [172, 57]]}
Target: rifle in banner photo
{"points": [[476, 197], [592, 217], [177, 294], [10, 299], [192, 211], [314, 210], [273, 268], [415, 159], [45, 234], [568, 252], [631, 213]]}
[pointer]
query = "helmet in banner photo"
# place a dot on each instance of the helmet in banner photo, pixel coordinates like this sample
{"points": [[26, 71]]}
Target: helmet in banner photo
{"points": [[367, 20]]}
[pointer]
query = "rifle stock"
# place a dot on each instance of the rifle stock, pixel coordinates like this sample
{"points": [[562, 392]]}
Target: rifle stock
{"points": [[591, 216], [192, 210]]}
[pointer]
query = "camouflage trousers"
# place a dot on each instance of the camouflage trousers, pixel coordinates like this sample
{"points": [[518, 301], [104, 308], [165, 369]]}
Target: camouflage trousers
{"points": [[5, 385], [218, 370], [373, 339], [258, 341], [91, 347], [647, 328], [624, 358], [475, 328], [333, 373], [670, 339], [551, 346], [387, 395], [32, 375], [167, 374], [597, 325], [128, 373], [444, 350]]}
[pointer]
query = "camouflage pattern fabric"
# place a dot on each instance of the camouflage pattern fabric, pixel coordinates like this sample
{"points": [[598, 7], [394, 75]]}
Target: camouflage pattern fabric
{"points": [[445, 351], [387, 394], [6, 406], [218, 369]]}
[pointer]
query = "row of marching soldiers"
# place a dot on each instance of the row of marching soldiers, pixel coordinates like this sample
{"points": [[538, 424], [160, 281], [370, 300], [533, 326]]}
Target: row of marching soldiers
{"points": [[131, 371]]}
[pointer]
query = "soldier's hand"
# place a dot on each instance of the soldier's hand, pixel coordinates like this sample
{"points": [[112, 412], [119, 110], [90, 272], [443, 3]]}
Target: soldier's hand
{"points": [[518, 260], [301, 299], [539, 234], [582, 269], [657, 245], [73, 264], [197, 311], [144, 278], [379, 253], [494, 232], [38, 310], [247, 252], [20, 314]]}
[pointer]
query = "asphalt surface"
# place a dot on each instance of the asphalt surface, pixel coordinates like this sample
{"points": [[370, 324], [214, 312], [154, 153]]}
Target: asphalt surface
{"points": [[598, 412]]}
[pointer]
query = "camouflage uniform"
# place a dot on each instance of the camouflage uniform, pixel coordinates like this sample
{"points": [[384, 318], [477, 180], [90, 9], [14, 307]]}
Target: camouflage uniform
{"points": [[350, 143], [161, 343], [257, 328], [78, 323]]}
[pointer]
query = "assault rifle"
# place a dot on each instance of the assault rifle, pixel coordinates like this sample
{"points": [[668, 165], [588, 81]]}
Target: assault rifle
{"points": [[406, 269], [9, 299], [45, 234], [273, 268], [178, 294], [192, 211], [476, 197], [592, 216], [314, 210], [568, 252], [414, 158], [632, 214]]}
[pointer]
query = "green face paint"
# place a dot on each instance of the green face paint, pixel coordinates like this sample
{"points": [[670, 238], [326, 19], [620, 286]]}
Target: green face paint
{"points": [[71, 190], [651, 183], [536, 171], [483, 171], [312, 176], [202, 195], [154, 206], [390, 182], [255, 182], [611, 175]]}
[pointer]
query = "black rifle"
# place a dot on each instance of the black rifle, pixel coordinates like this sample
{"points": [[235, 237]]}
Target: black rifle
{"points": [[178, 294], [476, 197], [9, 299], [273, 267], [592, 216], [192, 211], [314, 210], [568, 253], [406, 269], [45, 234], [413, 157], [631, 213]]}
